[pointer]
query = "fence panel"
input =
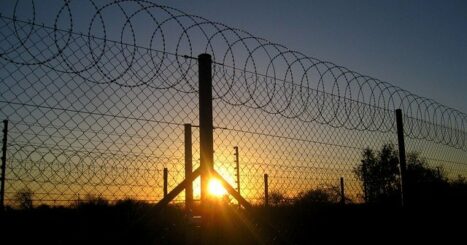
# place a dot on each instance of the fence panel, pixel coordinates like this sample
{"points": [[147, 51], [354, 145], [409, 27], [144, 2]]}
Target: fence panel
{"points": [[97, 95]]}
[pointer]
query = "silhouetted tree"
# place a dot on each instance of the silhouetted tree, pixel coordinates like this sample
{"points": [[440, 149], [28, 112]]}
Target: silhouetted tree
{"points": [[460, 181], [320, 195], [457, 194], [24, 198], [424, 184], [92, 200], [379, 173], [277, 199]]}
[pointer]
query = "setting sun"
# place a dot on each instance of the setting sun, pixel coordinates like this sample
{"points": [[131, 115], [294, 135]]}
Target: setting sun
{"points": [[216, 188]]}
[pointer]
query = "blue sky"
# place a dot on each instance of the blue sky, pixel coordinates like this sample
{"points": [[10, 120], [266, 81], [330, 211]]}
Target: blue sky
{"points": [[420, 46]]}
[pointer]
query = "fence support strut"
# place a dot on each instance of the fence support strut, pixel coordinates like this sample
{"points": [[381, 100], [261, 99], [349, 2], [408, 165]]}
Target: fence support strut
{"points": [[179, 188], [206, 128]]}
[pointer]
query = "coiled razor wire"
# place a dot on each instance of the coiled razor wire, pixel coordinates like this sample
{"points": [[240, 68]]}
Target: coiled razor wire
{"points": [[273, 78]]}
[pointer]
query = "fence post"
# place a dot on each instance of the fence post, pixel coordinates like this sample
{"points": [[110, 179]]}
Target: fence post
{"points": [[205, 122], [189, 233], [188, 167], [266, 191], [166, 175], [206, 145], [237, 167], [402, 160], [342, 191], [2, 187]]}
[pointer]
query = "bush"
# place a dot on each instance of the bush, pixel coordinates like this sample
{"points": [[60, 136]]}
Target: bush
{"points": [[24, 199], [320, 195], [277, 199]]}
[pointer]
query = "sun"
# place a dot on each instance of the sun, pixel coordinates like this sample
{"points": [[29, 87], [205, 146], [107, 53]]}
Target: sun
{"points": [[216, 188]]}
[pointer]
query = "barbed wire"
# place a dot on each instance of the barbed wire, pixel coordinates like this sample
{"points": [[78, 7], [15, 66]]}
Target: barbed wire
{"points": [[97, 94], [272, 77]]}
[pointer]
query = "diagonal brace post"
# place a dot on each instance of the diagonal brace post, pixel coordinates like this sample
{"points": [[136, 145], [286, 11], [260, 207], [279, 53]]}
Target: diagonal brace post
{"points": [[230, 189], [179, 188]]}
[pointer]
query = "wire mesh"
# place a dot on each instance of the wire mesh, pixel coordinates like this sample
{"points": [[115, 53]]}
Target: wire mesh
{"points": [[73, 134], [297, 155], [97, 98]]}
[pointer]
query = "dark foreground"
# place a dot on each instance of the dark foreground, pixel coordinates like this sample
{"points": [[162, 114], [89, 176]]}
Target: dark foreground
{"points": [[131, 222]]}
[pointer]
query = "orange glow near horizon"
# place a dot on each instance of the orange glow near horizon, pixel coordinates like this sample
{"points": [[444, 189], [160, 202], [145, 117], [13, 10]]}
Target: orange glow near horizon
{"points": [[215, 188]]}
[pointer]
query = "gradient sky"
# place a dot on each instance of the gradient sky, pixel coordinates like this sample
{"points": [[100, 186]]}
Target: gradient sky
{"points": [[420, 46]]}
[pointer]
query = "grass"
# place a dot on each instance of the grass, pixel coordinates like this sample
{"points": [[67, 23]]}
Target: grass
{"points": [[134, 222]]}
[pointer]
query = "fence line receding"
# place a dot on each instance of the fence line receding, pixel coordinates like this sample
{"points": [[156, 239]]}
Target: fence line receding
{"points": [[97, 95]]}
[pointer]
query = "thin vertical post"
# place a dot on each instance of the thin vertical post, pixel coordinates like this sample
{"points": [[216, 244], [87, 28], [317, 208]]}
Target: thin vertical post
{"points": [[2, 187], [237, 167], [402, 160], [166, 176], [342, 191], [266, 190], [188, 167], [205, 122]]}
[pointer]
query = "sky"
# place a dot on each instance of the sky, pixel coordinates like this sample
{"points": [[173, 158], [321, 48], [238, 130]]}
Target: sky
{"points": [[420, 46]]}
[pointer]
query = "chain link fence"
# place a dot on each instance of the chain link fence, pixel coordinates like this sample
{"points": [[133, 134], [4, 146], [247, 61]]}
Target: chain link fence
{"points": [[97, 95]]}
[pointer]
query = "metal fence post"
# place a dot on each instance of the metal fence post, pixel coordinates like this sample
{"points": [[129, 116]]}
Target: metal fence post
{"points": [[342, 191], [205, 122], [2, 188], [266, 190], [188, 167], [237, 168], [166, 176], [206, 147], [402, 160]]}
